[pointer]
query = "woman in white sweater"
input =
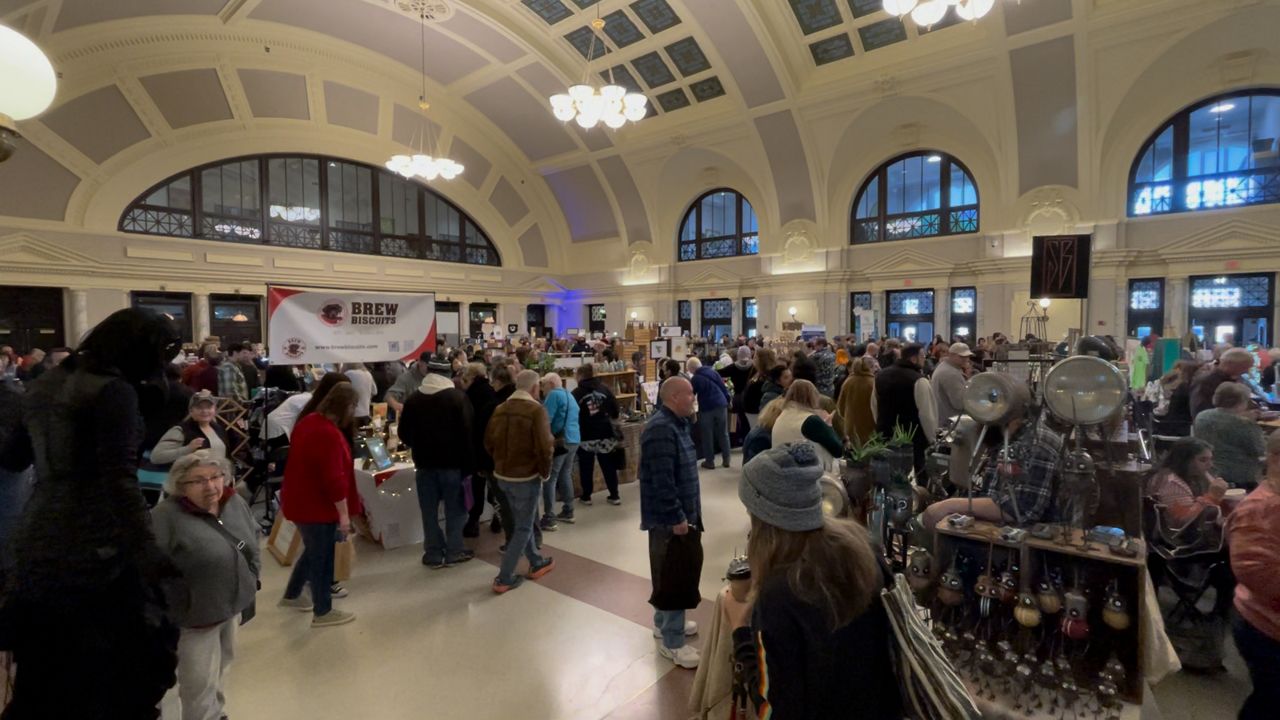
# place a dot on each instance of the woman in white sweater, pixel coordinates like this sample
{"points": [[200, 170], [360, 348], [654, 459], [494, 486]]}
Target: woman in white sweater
{"points": [[802, 420]]}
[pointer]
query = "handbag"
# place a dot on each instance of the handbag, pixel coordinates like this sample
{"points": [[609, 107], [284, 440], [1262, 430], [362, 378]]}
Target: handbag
{"points": [[243, 548], [931, 689]]}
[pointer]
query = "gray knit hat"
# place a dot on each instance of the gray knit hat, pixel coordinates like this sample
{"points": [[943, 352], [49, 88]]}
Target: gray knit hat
{"points": [[780, 486]]}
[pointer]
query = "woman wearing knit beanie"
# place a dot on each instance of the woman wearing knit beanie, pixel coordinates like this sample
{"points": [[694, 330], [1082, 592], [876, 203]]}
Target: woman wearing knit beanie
{"points": [[813, 640]]}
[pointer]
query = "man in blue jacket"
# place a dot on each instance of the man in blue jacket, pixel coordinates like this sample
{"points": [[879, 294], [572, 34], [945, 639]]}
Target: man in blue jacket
{"points": [[670, 506], [563, 411], [713, 411]]}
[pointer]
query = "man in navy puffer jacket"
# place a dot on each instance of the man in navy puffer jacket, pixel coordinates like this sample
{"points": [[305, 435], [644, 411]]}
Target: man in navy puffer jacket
{"points": [[713, 411]]}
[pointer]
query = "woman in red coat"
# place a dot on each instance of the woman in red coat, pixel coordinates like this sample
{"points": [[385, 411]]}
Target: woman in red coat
{"points": [[317, 483]]}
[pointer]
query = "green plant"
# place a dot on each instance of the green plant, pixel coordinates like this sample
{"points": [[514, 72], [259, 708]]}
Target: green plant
{"points": [[902, 436], [874, 446]]}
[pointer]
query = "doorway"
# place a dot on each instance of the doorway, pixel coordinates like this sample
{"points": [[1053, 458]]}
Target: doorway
{"points": [[1233, 309], [31, 317], [910, 315]]}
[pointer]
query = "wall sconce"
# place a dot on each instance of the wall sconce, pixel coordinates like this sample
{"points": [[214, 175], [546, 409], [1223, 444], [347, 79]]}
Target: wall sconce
{"points": [[792, 311], [634, 315], [1044, 303]]}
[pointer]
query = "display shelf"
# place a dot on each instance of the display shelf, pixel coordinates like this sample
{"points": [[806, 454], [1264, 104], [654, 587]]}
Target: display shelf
{"points": [[986, 532]]}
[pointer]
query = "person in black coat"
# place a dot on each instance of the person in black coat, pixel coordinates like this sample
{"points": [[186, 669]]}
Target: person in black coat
{"points": [[597, 409], [484, 399], [84, 612]]}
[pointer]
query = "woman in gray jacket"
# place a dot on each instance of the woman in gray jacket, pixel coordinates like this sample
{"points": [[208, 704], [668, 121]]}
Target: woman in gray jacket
{"points": [[206, 529]]}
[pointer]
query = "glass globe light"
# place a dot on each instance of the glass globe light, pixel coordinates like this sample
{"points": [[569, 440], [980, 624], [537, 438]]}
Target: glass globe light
{"points": [[586, 122], [634, 113], [27, 79], [899, 8], [635, 100], [615, 121], [929, 12], [613, 92], [581, 92]]}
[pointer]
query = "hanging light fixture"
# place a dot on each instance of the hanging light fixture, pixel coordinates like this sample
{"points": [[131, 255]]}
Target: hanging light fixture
{"points": [[27, 85], [589, 106], [928, 13], [427, 167]]}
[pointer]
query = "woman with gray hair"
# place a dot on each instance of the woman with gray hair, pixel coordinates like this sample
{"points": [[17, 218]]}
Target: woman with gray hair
{"points": [[206, 529], [1231, 427]]}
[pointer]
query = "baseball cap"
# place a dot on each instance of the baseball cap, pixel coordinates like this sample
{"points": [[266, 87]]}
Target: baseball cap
{"points": [[960, 349]]}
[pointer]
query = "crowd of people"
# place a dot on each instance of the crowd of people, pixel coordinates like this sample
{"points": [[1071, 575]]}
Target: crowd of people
{"points": [[500, 429]]}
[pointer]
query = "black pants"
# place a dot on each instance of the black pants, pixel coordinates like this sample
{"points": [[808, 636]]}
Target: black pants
{"points": [[479, 482], [587, 473], [1261, 654]]}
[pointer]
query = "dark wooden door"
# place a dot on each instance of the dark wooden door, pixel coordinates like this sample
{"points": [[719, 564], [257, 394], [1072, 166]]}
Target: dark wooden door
{"points": [[31, 317]]}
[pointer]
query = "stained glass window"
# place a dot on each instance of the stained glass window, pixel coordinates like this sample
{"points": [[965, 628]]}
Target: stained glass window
{"points": [[920, 194], [684, 309], [1221, 152], [310, 202], [911, 302], [1146, 307], [717, 318], [910, 315], [750, 315], [964, 311], [1231, 291], [721, 223]]}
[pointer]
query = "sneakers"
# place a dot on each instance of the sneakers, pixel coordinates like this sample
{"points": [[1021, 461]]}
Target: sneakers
{"points": [[333, 617], [464, 556], [565, 516], [615, 501], [585, 501], [708, 466], [686, 657], [499, 588], [725, 465], [547, 566], [690, 629], [548, 524], [337, 591], [302, 602]]}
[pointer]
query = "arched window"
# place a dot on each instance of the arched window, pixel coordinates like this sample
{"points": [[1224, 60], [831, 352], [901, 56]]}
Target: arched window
{"points": [[311, 202], [1222, 152], [920, 194], [719, 224]]}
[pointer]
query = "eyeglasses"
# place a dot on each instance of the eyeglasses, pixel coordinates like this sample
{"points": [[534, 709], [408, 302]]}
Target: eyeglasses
{"points": [[212, 479]]}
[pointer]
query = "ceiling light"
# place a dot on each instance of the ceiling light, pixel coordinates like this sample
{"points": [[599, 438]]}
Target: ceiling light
{"points": [[239, 317], [899, 8], [589, 106], [420, 164], [1224, 107], [929, 12], [935, 158], [27, 85], [974, 9]]}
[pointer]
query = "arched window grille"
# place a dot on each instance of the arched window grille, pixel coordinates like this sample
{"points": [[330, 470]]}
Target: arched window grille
{"points": [[921, 194], [719, 224]]}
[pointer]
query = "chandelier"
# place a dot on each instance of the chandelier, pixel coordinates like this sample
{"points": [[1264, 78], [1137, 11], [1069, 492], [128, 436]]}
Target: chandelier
{"points": [[420, 164], [929, 12], [27, 85], [589, 106]]}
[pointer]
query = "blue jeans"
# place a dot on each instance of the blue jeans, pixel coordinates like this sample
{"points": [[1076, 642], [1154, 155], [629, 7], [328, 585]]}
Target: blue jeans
{"points": [[713, 426], [671, 624], [523, 499], [15, 490], [559, 483], [315, 566], [436, 485]]}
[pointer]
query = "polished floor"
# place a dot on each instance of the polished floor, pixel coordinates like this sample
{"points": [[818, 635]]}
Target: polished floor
{"points": [[576, 645]]}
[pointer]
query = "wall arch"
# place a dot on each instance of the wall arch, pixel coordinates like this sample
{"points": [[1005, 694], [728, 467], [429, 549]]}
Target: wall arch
{"points": [[693, 171]]}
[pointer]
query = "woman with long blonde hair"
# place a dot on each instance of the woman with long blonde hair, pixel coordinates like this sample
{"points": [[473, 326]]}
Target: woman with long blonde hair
{"points": [[802, 420]]}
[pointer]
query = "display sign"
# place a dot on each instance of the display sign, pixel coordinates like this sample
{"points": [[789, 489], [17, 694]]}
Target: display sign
{"points": [[670, 331], [1060, 266], [337, 326]]}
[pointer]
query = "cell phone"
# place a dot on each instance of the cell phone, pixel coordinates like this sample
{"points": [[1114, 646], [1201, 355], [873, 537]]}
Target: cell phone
{"points": [[956, 520]]}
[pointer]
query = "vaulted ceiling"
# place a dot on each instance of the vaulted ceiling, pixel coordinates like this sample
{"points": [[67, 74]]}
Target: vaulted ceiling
{"points": [[150, 87]]}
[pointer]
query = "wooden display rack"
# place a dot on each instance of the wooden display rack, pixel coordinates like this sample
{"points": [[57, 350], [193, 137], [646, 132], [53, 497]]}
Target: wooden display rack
{"points": [[623, 385], [1128, 571]]}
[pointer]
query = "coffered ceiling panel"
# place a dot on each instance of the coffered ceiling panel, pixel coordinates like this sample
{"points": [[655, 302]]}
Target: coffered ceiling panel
{"points": [[532, 248], [476, 165], [188, 97], [629, 200], [524, 118], [738, 45], [99, 124], [46, 199], [350, 107], [485, 37], [378, 29], [585, 204], [782, 144], [75, 13], [276, 94], [1044, 90], [508, 202], [1029, 15]]}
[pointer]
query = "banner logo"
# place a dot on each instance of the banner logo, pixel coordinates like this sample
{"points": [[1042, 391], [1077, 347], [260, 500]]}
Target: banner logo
{"points": [[294, 348], [333, 312]]}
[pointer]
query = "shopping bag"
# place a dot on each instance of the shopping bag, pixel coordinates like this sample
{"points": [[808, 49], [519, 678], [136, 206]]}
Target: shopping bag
{"points": [[344, 558], [676, 568]]}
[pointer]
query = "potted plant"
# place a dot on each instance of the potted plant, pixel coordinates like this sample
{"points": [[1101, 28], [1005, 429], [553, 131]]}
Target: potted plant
{"points": [[901, 451], [857, 474]]}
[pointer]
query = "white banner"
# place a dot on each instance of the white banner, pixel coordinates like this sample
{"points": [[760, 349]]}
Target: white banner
{"points": [[335, 326]]}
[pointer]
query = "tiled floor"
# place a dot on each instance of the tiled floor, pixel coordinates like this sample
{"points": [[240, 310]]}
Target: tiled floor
{"points": [[575, 645]]}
